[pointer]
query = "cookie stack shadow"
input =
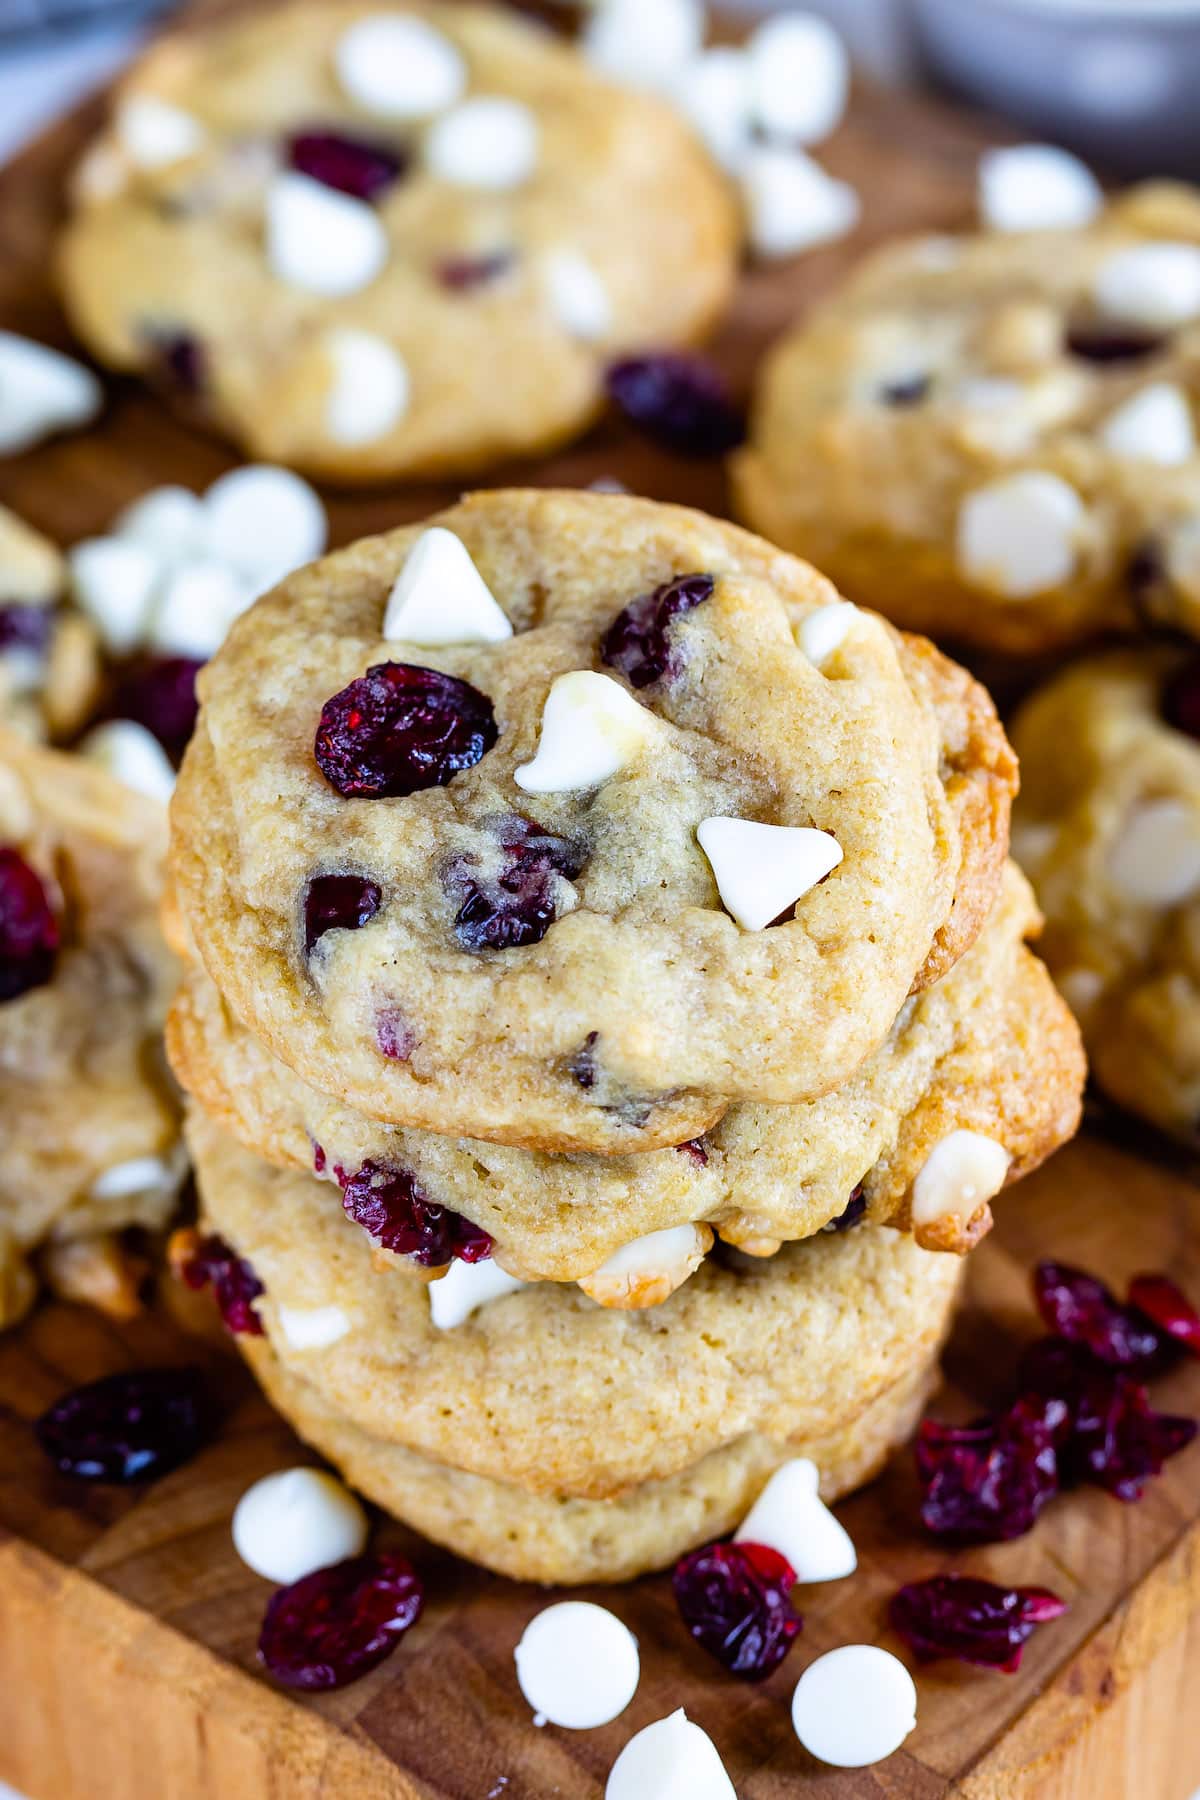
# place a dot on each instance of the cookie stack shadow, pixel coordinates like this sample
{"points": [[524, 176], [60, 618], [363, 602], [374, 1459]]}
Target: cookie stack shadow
{"points": [[572, 1338]]}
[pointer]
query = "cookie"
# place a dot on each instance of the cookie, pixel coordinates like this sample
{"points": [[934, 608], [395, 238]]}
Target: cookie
{"points": [[390, 241], [990, 1050], [541, 824], [992, 438], [88, 1110], [49, 656], [566, 1540], [545, 1390], [1109, 833]]}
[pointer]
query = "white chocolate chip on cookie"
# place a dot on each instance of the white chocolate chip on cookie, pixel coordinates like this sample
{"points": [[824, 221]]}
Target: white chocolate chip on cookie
{"points": [[761, 870], [591, 729], [648, 1270], [958, 1178], [1019, 536], [439, 597]]}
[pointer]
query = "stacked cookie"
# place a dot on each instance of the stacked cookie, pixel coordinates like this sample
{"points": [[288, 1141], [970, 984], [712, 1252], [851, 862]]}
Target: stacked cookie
{"points": [[994, 438], [589, 911]]}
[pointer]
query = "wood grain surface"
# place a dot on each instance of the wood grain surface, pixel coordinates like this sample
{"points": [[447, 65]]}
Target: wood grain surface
{"points": [[128, 1624]]}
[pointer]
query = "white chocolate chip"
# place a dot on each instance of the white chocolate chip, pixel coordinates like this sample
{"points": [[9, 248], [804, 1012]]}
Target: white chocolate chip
{"points": [[1036, 187], [1155, 285], [465, 1287], [1031, 841], [140, 1175], [198, 603], [854, 1706], [313, 1327], [1152, 426], [168, 521], [790, 1516], [486, 143], [1082, 988], [370, 390], [648, 1270], [41, 392], [264, 521], [439, 597], [713, 93], [799, 77], [762, 869], [1156, 859], [292, 1523], [113, 582], [792, 204], [399, 67], [153, 133], [958, 1177], [578, 297], [321, 241], [669, 1760], [823, 632], [131, 755], [591, 728], [1019, 536], [577, 1665], [644, 45]]}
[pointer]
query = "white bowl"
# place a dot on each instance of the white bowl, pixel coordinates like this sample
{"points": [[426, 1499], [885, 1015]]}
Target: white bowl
{"points": [[1117, 79]]}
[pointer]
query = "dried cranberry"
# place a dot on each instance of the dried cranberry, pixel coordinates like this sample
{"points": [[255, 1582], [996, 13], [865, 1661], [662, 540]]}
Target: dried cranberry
{"points": [[338, 1623], [1081, 1309], [1168, 1309], [462, 274], [352, 165], [181, 361], [26, 628], [130, 1427], [680, 401], [394, 1036], [338, 903], [1111, 1436], [736, 1601], [400, 728], [1181, 698], [909, 391], [516, 903], [159, 692], [392, 1207], [971, 1620], [319, 1159], [987, 1482], [235, 1286], [583, 1064], [853, 1213], [1093, 340], [636, 642], [697, 1150], [29, 934]]}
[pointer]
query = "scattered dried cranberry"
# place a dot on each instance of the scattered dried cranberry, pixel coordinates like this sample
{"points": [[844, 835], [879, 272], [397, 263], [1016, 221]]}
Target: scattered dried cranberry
{"points": [[1095, 341], [26, 627], [680, 401], [338, 903], [697, 1150], [909, 391], [462, 274], [352, 165], [181, 361], [338, 1623], [130, 1427], [1111, 1436], [29, 934], [987, 1482], [391, 1206], [636, 642], [159, 692], [1081, 1309], [394, 1036], [400, 728], [210, 1261], [1168, 1309], [1181, 698], [583, 1064], [736, 1601], [515, 904], [971, 1620], [319, 1159], [853, 1213]]}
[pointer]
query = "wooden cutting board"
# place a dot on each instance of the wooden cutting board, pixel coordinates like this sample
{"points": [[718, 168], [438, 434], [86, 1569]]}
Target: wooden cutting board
{"points": [[127, 1623]]}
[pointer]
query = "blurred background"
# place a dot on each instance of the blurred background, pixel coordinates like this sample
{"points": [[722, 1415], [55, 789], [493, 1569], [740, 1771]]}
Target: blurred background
{"points": [[1116, 79]]}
